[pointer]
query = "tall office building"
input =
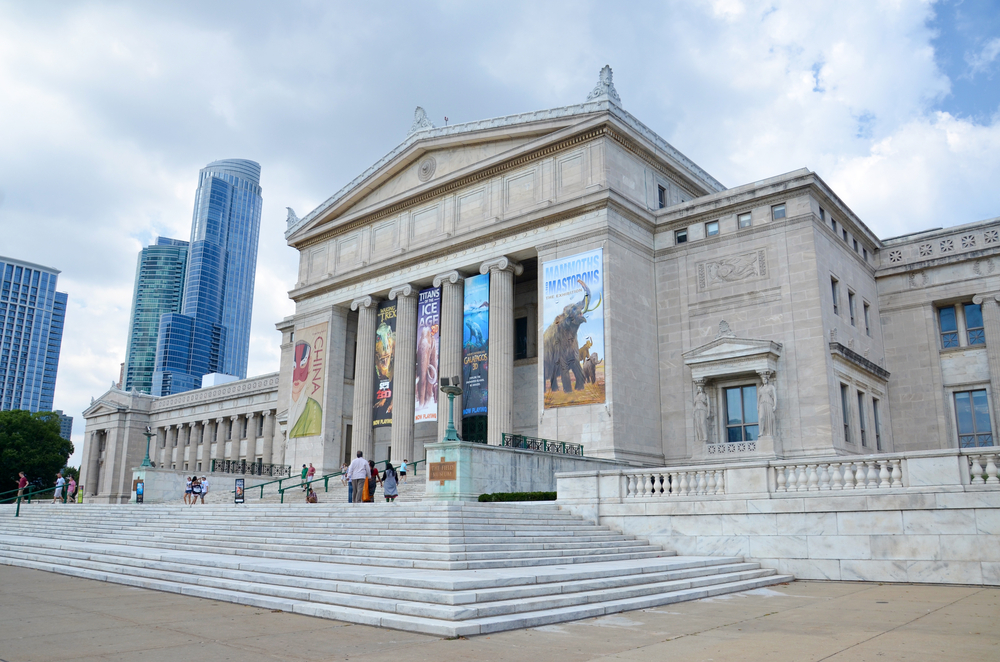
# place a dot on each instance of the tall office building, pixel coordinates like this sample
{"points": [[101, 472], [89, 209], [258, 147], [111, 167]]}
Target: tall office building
{"points": [[159, 289], [65, 425], [212, 331], [32, 314]]}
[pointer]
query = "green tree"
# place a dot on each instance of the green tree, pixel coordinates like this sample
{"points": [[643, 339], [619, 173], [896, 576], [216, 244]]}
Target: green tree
{"points": [[31, 443]]}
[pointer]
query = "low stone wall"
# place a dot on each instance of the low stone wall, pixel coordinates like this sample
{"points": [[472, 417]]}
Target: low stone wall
{"points": [[484, 469], [930, 517], [166, 485]]}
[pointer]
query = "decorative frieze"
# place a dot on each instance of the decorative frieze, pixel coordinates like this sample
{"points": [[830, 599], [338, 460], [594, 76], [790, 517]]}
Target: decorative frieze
{"points": [[737, 268]]}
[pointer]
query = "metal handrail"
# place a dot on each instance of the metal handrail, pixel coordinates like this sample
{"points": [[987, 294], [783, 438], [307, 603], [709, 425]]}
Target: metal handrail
{"points": [[27, 495], [523, 442], [326, 478]]}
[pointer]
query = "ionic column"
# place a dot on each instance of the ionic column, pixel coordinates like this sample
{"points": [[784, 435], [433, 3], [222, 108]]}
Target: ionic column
{"points": [[404, 376], [268, 450], [364, 376], [450, 354], [206, 445], [251, 454], [991, 328], [500, 380], [220, 439], [165, 431], [93, 463], [234, 436]]}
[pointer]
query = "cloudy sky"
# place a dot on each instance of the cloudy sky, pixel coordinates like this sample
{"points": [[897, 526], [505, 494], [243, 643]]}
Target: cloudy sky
{"points": [[109, 109]]}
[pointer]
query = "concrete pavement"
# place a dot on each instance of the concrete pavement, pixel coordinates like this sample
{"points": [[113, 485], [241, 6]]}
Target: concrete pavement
{"points": [[49, 617]]}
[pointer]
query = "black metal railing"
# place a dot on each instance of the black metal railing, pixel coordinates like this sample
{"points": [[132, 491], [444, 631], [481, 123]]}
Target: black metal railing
{"points": [[543, 445], [245, 468]]}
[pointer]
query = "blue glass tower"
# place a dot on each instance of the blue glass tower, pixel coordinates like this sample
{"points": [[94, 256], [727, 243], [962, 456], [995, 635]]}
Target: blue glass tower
{"points": [[32, 314], [211, 333]]}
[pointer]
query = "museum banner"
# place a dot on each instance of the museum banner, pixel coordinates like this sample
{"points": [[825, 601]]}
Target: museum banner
{"points": [[573, 320], [305, 412], [476, 345], [428, 346], [385, 355]]}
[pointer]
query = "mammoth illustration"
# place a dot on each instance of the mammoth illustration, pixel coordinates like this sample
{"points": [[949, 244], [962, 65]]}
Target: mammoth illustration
{"points": [[427, 360], [590, 368], [562, 351]]}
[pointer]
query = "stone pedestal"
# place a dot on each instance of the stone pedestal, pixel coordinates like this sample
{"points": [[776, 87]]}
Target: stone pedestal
{"points": [[451, 460], [501, 374], [404, 378], [364, 376], [450, 353]]}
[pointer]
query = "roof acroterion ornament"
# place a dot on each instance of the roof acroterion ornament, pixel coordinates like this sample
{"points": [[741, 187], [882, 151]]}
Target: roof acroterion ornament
{"points": [[605, 88], [420, 121]]}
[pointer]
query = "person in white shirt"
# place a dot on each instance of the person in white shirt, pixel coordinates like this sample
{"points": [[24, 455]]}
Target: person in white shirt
{"points": [[204, 488], [357, 473], [60, 481]]}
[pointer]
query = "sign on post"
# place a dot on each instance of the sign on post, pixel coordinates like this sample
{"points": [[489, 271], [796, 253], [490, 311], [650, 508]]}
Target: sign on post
{"points": [[239, 490]]}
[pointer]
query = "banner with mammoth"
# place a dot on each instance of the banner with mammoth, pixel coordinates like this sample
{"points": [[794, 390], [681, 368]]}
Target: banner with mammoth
{"points": [[428, 343], [573, 336], [385, 363], [305, 411], [476, 346]]}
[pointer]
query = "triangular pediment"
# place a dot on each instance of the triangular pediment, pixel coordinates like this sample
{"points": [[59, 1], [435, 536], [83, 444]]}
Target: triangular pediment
{"points": [[723, 348], [728, 355]]}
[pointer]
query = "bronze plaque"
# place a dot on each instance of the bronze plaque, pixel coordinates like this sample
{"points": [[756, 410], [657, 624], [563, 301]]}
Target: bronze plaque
{"points": [[442, 471]]}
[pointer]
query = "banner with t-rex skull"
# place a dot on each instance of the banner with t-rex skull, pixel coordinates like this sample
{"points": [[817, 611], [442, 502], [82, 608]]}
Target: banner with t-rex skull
{"points": [[476, 346], [385, 360], [573, 323], [428, 340]]}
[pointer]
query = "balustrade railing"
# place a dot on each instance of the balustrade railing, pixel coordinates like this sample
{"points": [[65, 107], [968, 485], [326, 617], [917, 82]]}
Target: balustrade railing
{"points": [[847, 475], [242, 467], [983, 467], [668, 483], [543, 445]]}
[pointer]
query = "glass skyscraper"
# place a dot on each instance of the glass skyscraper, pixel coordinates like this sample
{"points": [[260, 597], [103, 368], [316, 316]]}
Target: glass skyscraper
{"points": [[32, 314], [159, 289], [212, 331]]}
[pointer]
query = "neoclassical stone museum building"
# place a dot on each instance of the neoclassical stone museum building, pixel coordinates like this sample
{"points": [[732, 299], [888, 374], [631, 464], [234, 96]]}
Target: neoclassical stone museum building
{"points": [[588, 283]]}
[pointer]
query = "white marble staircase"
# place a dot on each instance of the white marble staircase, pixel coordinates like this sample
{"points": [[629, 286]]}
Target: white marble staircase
{"points": [[222, 486], [449, 569]]}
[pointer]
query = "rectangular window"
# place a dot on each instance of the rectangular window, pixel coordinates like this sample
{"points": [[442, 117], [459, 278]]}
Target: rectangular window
{"points": [[833, 224], [949, 326], [777, 212], [844, 405], [864, 252], [835, 290], [878, 425], [744, 220], [845, 235], [680, 236], [850, 305], [661, 196], [861, 418], [822, 215], [741, 413], [521, 338], [974, 324], [868, 320], [711, 228], [855, 245], [973, 416]]}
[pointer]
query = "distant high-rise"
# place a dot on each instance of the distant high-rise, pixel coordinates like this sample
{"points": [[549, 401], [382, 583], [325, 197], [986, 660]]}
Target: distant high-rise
{"points": [[212, 331], [65, 425], [159, 289], [32, 314]]}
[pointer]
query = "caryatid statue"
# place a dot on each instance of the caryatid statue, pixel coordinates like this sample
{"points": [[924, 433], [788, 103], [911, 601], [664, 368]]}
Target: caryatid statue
{"points": [[701, 412], [767, 404]]}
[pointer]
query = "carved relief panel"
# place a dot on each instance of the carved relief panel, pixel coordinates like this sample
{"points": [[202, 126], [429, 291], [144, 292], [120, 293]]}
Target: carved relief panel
{"points": [[732, 269]]}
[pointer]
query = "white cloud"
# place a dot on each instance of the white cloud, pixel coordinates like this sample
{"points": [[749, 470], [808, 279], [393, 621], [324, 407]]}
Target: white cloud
{"points": [[980, 62]]}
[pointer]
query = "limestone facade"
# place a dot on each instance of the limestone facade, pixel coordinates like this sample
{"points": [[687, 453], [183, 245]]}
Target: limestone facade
{"points": [[704, 286]]}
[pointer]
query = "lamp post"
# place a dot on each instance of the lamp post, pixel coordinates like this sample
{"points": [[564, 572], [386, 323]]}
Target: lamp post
{"points": [[145, 461], [452, 388]]}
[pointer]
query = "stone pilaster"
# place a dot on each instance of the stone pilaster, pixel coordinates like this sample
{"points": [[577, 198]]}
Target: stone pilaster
{"points": [[162, 461], [404, 377], [234, 435], [93, 464], [251, 454], [268, 450], [501, 375], [220, 439], [991, 328], [450, 354], [208, 433], [364, 376]]}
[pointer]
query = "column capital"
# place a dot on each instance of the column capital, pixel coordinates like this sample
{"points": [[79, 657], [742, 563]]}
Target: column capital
{"points": [[234, 418], [452, 277], [366, 301], [979, 299], [502, 263], [220, 421], [404, 290], [265, 413], [191, 424], [206, 422]]}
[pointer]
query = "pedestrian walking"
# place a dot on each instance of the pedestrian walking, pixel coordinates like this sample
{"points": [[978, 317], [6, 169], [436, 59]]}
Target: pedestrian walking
{"points": [[188, 490], [204, 488], [60, 483], [305, 472], [22, 482], [195, 489], [358, 473], [71, 490], [311, 473], [402, 471], [389, 490], [371, 483]]}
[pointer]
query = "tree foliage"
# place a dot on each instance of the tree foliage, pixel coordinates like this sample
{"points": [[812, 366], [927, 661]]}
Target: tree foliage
{"points": [[31, 443]]}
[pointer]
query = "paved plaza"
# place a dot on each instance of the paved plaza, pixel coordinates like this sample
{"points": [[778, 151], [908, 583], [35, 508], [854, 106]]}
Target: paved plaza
{"points": [[48, 617]]}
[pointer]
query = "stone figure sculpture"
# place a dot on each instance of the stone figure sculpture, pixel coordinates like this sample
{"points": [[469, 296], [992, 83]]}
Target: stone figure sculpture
{"points": [[562, 349], [701, 415], [767, 404]]}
